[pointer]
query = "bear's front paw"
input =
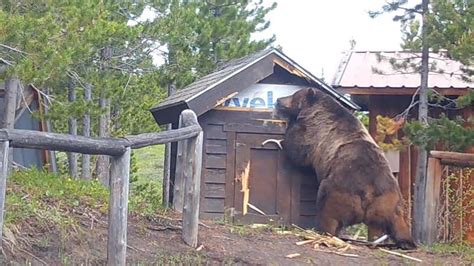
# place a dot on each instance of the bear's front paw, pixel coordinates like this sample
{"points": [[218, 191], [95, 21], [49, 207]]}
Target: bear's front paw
{"points": [[276, 141]]}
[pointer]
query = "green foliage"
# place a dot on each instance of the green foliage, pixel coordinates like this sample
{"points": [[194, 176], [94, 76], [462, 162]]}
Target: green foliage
{"points": [[50, 200], [150, 162], [47, 198], [68, 44], [146, 197], [198, 35], [363, 117], [452, 134]]}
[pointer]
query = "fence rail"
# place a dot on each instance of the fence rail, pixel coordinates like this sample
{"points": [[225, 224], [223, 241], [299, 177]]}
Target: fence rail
{"points": [[190, 135]]}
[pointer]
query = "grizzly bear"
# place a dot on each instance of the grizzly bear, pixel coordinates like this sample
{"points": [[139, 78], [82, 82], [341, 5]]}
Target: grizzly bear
{"points": [[356, 184]]}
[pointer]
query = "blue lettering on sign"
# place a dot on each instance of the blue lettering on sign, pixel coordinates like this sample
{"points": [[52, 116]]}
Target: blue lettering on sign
{"points": [[256, 102]]}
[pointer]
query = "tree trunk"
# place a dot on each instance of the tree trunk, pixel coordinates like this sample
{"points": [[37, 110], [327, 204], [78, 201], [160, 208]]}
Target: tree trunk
{"points": [[72, 123], [10, 102], [86, 132], [53, 167], [420, 180], [102, 166]]}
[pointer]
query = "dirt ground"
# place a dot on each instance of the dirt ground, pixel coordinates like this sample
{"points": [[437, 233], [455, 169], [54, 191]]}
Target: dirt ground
{"points": [[158, 242]]}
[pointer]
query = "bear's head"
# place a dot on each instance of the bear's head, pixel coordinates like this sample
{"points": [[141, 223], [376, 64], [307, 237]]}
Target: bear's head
{"points": [[291, 106]]}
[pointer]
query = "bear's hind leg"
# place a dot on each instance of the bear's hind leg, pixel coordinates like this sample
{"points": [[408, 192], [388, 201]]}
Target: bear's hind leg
{"points": [[400, 232]]}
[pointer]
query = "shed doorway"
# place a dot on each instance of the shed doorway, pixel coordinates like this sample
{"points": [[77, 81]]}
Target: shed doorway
{"points": [[262, 183]]}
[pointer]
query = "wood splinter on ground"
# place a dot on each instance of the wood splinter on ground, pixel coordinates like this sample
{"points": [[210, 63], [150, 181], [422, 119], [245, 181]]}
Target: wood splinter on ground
{"points": [[400, 255], [328, 242], [293, 255]]}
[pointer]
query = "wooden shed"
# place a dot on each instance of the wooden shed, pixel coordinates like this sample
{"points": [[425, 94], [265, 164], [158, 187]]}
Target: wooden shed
{"points": [[242, 179]]}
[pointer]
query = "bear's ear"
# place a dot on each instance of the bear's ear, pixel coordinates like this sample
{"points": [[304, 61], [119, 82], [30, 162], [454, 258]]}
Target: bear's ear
{"points": [[311, 96]]}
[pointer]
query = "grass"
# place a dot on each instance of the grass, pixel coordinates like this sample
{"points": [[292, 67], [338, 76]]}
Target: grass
{"points": [[48, 198], [465, 251], [149, 162]]}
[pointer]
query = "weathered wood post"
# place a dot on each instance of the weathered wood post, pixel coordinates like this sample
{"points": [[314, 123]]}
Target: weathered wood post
{"points": [[12, 86], [432, 194], [178, 188], [192, 180], [118, 209], [3, 181]]}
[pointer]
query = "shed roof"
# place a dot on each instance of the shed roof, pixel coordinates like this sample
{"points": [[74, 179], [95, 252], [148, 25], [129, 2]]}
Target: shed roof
{"points": [[373, 69], [234, 76]]}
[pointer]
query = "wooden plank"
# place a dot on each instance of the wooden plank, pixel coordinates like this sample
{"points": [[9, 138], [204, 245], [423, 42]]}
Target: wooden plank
{"points": [[214, 190], [455, 156], [251, 128], [283, 190], [192, 176], [216, 161], [230, 171], [3, 182], [397, 91], [216, 146], [212, 215], [213, 205], [432, 194], [118, 209], [216, 176], [215, 132]]}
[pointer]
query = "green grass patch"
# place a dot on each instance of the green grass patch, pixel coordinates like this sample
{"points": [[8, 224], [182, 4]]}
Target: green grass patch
{"points": [[465, 251], [48, 198], [52, 199], [149, 162]]}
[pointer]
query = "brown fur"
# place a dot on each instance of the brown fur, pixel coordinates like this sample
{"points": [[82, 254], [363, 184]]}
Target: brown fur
{"points": [[355, 181]]}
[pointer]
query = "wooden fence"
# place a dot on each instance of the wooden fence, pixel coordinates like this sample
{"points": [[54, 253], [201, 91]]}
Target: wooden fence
{"points": [[437, 185], [190, 136]]}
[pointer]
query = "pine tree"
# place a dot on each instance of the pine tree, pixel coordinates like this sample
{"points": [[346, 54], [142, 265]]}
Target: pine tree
{"points": [[198, 35]]}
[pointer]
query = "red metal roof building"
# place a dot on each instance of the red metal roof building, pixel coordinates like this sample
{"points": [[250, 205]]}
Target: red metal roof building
{"points": [[380, 88]]}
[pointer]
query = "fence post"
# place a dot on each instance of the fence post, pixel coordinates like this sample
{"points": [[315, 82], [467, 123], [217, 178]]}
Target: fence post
{"points": [[432, 194], [192, 179], [3, 182], [178, 188], [118, 209]]}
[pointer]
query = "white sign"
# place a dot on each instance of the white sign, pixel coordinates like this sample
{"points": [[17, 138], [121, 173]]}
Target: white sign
{"points": [[261, 96]]}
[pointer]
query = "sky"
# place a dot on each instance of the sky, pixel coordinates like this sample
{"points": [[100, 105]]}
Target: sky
{"points": [[315, 33]]}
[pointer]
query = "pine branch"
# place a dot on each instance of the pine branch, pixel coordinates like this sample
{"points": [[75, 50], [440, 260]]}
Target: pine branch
{"points": [[413, 103]]}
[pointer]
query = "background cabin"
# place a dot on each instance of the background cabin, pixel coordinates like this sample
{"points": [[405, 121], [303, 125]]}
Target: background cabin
{"points": [[378, 88], [241, 178], [28, 102]]}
